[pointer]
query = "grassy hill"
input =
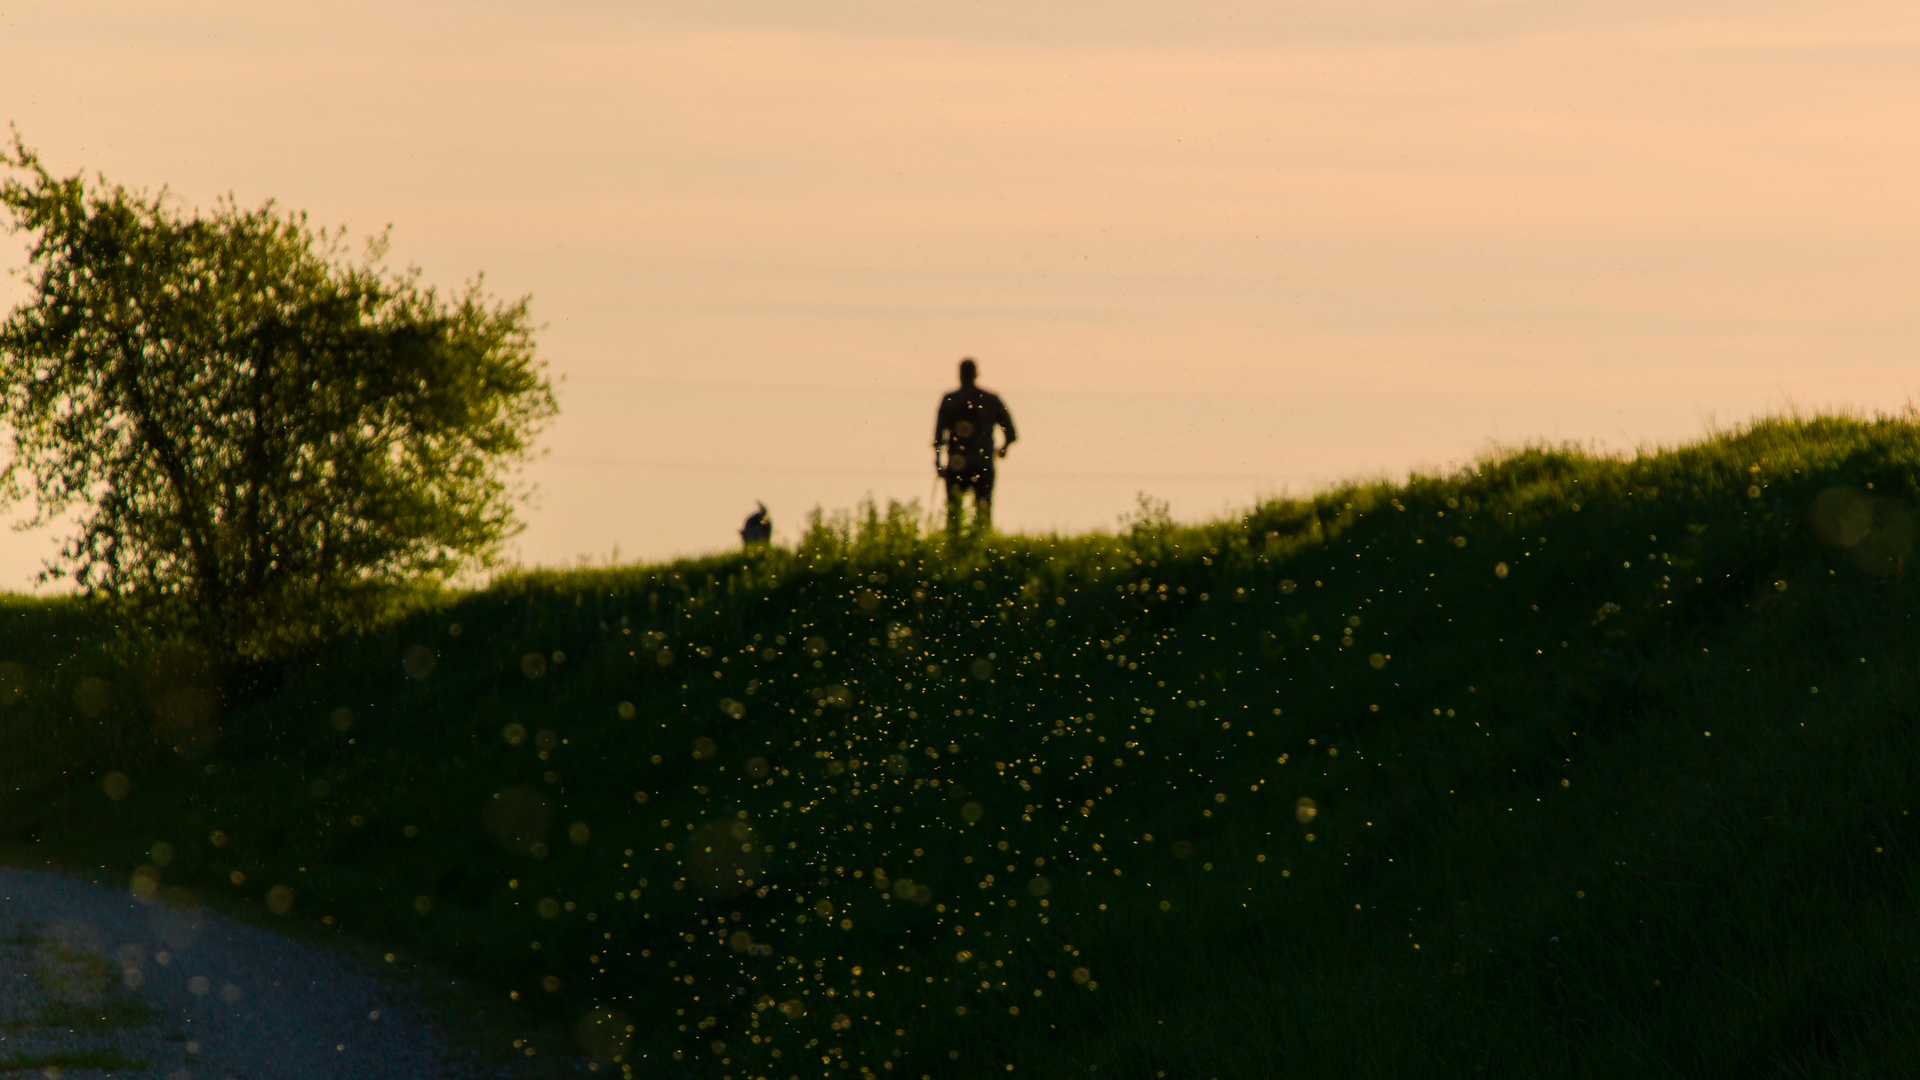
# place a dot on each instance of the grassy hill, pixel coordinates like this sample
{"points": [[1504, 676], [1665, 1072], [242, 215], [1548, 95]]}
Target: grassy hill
{"points": [[1558, 766]]}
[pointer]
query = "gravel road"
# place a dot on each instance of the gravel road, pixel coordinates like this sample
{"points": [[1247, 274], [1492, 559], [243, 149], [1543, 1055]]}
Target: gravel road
{"points": [[97, 982]]}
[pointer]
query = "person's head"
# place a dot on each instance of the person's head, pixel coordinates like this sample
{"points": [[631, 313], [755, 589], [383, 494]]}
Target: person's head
{"points": [[969, 371]]}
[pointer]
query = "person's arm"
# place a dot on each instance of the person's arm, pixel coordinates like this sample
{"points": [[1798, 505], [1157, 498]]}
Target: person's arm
{"points": [[1006, 426], [940, 429]]}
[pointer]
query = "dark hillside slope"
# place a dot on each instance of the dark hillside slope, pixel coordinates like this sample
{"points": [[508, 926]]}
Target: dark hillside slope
{"points": [[1561, 766]]}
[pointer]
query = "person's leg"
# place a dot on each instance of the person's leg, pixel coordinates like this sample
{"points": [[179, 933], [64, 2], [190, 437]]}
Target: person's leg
{"points": [[953, 507], [983, 503]]}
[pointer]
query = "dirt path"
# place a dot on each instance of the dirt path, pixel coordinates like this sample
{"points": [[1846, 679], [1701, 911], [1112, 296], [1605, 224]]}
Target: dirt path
{"points": [[96, 982]]}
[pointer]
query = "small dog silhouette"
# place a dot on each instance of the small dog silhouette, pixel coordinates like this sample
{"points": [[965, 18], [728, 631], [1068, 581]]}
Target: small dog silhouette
{"points": [[759, 527]]}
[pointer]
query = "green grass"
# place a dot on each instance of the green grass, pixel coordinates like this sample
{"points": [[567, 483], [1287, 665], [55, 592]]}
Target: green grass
{"points": [[107, 1061], [120, 1009], [1610, 761]]}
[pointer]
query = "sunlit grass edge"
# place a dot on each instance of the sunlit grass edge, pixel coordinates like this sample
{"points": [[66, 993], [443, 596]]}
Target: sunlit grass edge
{"points": [[1597, 778]]}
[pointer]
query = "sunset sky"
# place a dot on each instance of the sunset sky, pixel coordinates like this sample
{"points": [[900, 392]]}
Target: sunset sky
{"points": [[1204, 250]]}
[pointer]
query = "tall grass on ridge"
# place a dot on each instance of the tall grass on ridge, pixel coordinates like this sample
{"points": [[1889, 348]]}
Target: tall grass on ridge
{"points": [[1560, 765]]}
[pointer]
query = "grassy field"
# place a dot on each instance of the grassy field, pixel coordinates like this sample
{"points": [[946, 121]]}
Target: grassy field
{"points": [[1557, 766]]}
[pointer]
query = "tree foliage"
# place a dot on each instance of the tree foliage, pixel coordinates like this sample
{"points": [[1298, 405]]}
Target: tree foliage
{"points": [[258, 438]]}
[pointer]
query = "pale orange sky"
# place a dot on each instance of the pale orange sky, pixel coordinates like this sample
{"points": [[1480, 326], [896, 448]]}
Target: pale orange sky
{"points": [[1204, 250]]}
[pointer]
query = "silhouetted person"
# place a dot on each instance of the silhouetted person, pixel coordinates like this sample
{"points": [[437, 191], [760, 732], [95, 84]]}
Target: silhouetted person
{"points": [[965, 426], [759, 527]]}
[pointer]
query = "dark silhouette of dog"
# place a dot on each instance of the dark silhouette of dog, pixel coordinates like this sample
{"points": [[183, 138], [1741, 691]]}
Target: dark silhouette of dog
{"points": [[759, 527]]}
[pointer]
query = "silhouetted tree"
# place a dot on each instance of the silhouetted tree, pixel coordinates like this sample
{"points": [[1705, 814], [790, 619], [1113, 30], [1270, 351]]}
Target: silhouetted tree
{"points": [[259, 439]]}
